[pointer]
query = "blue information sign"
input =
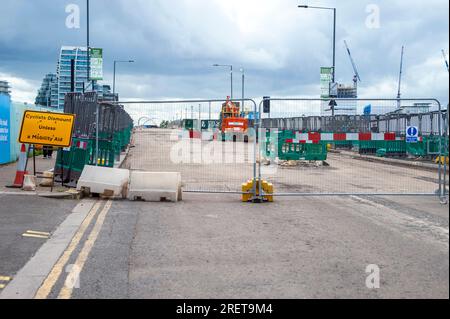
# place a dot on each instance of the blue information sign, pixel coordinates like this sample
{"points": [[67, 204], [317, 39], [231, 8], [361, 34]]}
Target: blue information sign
{"points": [[412, 134]]}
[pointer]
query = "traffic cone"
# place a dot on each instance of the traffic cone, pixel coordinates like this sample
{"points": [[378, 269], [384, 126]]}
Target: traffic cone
{"points": [[21, 166]]}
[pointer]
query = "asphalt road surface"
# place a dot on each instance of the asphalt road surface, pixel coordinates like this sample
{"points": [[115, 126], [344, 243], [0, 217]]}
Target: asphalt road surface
{"points": [[214, 246], [20, 214]]}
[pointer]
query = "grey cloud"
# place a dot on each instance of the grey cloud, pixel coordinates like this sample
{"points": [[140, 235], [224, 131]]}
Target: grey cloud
{"points": [[174, 43]]}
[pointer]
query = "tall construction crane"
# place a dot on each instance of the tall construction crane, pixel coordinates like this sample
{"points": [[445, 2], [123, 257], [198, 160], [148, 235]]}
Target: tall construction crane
{"points": [[445, 58], [399, 95], [356, 77]]}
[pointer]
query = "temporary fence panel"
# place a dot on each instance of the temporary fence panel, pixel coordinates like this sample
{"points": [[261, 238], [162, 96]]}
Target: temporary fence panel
{"points": [[293, 124], [89, 147], [187, 137]]}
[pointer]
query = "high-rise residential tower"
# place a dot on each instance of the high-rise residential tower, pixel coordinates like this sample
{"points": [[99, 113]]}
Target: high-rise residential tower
{"points": [[48, 93], [67, 54], [56, 86]]}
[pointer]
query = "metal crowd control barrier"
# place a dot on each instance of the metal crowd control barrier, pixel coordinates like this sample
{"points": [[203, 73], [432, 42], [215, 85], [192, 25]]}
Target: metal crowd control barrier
{"points": [[303, 147], [89, 146], [294, 124], [186, 136]]}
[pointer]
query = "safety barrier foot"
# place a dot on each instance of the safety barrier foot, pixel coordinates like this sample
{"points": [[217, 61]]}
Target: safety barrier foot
{"points": [[257, 200], [250, 191]]}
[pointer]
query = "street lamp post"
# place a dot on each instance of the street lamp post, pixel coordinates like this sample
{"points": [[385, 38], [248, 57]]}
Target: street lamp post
{"points": [[334, 33], [231, 73], [209, 111], [97, 111], [243, 87], [87, 43], [114, 74]]}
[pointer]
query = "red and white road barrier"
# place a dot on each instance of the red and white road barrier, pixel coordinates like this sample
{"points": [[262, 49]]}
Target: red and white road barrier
{"points": [[208, 135], [195, 134], [21, 168], [189, 134], [82, 145], [316, 138]]}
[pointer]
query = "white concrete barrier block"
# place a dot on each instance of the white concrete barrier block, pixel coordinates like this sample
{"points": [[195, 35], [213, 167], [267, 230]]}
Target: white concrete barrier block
{"points": [[111, 182], [155, 186]]}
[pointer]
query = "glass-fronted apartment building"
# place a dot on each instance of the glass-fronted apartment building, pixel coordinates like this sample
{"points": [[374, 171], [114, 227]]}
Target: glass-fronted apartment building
{"points": [[55, 86], [4, 87], [48, 93]]}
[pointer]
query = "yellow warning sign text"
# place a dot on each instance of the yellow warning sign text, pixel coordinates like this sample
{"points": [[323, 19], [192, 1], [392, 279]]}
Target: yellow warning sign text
{"points": [[44, 128]]}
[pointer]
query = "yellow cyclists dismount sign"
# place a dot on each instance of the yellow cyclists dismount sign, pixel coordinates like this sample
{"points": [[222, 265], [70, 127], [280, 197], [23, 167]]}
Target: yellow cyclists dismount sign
{"points": [[44, 128]]}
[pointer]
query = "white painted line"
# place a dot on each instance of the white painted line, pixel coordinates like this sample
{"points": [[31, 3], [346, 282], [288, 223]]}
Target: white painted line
{"points": [[35, 236], [38, 233]]}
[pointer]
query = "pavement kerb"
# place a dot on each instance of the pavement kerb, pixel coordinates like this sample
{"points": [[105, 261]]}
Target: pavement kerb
{"points": [[29, 279], [389, 160]]}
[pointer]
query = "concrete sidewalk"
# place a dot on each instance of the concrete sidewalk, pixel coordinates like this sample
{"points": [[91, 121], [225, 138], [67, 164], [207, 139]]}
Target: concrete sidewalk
{"points": [[8, 172]]}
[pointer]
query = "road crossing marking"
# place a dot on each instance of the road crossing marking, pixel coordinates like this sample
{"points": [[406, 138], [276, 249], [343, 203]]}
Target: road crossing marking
{"points": [[57, 270]]}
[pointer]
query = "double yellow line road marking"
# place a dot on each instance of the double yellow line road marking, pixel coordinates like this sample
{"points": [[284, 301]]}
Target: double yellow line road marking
{"points": [[4, 279], [57, 270]]}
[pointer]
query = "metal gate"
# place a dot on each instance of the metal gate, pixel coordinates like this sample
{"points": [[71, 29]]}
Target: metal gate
{"points": [[184, 136], [316, 147]]}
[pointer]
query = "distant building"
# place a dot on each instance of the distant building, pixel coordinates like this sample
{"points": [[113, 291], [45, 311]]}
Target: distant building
{"points": [[415, 108], [5, 125], [105, 94], [4, 87], [343, 107], [48, 93], [55, 86], [347, 91], [331, 91], [63, 71], [350, 106]]}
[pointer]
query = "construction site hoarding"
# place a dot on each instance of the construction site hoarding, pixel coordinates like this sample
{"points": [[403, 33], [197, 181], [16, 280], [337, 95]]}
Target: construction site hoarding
{"points": [[5, 128]]}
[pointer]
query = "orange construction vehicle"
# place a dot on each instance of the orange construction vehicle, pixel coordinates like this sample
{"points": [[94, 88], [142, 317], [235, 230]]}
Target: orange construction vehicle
{"points": [[233, 124]]}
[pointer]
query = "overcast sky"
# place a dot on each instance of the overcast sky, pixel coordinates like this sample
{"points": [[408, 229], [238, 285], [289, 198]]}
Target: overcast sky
{"points": [[281, 47]]}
